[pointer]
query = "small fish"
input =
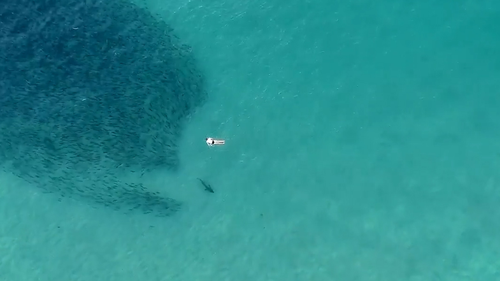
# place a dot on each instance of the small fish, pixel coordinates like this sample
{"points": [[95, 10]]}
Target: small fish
{"points": [[207, 186]]}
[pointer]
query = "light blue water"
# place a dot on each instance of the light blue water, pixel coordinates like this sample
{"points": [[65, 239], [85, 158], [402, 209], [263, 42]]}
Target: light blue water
{"points": [[362, 144]]}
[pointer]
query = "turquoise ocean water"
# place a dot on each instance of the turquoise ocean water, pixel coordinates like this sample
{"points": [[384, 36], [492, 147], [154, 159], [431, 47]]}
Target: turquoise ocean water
{"points": [[362, 144]]}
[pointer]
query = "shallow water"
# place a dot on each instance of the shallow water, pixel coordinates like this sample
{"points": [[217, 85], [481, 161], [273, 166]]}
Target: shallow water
{"points": [[362, 144]]}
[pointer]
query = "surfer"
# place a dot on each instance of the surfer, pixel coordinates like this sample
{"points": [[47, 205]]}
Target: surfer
{"points": [[212, 142]]}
